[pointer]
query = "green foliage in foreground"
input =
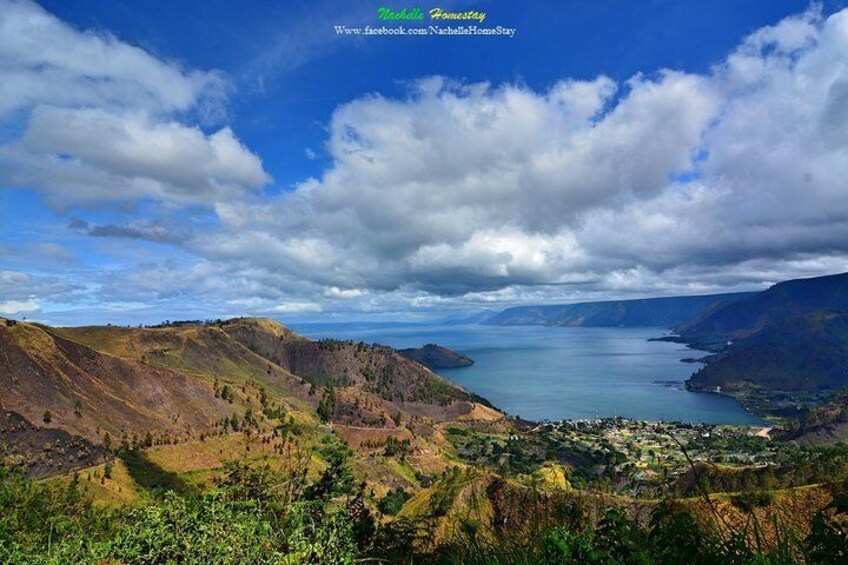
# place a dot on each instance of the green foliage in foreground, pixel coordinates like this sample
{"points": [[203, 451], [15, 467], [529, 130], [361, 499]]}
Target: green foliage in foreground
{"points": [[255, 516], [259, 516], [215, 529], [671, 537], [393, 501]]}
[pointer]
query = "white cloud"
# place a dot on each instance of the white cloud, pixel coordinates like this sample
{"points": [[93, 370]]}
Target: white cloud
{"points": [[19, 306], [469, 194], [44, 60], [18, 289], [344, 293], [640, 188], [12, 277], [296, 308], [105, 120], [87, 156], [469, 186]]}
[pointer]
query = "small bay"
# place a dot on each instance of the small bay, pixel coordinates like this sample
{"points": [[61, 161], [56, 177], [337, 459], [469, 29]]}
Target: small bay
{"points": [[543, 373]]}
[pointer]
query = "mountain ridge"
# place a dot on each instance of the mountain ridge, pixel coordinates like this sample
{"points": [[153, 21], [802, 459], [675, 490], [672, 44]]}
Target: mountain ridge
{"points": [[783, 352], [808, 352], [662, 311], [785, 299], [181, 382]]}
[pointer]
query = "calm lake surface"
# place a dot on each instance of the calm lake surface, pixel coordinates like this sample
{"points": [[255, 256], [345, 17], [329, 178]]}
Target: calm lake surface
{"points": [[544, 373]]}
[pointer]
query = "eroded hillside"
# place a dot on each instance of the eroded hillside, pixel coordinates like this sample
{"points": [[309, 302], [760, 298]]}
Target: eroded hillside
{"points": [[183, 382]]}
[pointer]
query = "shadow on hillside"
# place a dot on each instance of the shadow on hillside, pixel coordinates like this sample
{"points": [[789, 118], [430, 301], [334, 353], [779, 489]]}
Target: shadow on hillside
{"points": [[151, 476]]}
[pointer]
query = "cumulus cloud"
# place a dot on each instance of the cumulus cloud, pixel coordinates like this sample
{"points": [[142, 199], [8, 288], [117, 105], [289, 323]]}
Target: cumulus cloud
{"points": [[462, 187], [19, 306], [589, 187], [21, 292], [45, 60], [771, 185], [456, 193], [105, 121]]}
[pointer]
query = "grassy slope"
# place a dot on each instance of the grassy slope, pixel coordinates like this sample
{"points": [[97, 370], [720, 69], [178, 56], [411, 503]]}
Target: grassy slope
{"points": [[379, 382], [89, 392], [471, 497], [198, 350], [126, 380]]}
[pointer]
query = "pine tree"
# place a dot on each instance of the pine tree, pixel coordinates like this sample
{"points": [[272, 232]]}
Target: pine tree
{"points": [[327, 405]]}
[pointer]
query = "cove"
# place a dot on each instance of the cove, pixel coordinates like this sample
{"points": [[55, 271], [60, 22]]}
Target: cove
{"points": [[543, 373]]}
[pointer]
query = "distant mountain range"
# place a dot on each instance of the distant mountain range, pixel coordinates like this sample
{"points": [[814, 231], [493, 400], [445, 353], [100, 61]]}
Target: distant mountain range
{"points": [[781, 301], [466, 318], [666, 312], [781, 351]]}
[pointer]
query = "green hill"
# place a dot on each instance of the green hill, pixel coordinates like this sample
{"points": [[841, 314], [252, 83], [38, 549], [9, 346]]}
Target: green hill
{"points": [[804, 353], [781, 351], [437, 357]]}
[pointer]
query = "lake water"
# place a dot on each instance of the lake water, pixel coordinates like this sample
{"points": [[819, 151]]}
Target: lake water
{"points": [[545, 373]]}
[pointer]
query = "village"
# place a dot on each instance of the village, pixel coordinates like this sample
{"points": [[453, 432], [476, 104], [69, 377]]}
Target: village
{"points": [[633, 457]]}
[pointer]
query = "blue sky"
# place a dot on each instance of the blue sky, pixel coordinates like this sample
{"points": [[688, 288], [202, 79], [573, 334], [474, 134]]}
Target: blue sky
{"points": [[290, 71], [164, 160]]}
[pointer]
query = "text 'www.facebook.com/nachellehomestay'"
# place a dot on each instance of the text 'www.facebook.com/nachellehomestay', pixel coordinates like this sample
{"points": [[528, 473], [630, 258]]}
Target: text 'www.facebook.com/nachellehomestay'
{"points": [[432, 30]]}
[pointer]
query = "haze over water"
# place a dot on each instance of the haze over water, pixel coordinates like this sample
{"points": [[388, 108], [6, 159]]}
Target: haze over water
{"points": [[545, 373]]}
